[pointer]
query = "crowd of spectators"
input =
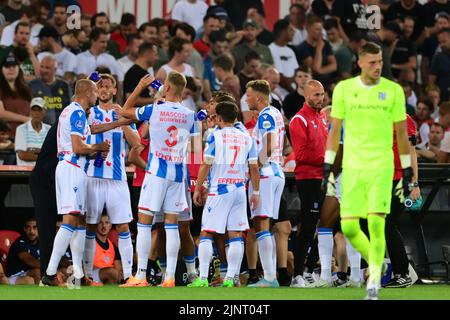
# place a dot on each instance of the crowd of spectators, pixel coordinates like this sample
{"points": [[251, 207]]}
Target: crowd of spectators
{"points": [[221, 47]]}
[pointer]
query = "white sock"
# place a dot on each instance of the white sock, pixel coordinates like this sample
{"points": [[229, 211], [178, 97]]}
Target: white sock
{"points": [[143, 246], [325, 237], [62, 240], [162, 264], [172, 248], [238, 271], [77, 249], [274, 255], [205, 252], [354, 258], [126, 253], [89, 253], [234, 255], [265, 249], [190, 264]]}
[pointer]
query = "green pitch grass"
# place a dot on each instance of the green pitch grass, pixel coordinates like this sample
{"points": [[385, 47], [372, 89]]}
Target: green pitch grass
{"points": [[417, 292]]}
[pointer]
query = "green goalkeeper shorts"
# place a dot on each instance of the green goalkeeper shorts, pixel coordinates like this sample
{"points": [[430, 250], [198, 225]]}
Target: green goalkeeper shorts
{"points": [[365, 191]]}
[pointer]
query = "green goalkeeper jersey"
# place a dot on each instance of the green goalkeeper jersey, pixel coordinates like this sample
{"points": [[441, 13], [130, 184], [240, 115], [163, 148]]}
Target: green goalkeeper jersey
{"points": [[369, 113]]}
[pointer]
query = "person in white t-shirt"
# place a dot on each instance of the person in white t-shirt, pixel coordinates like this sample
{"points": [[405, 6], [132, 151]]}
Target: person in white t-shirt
{"points": [[67, 61], [126, 62], [31, 135], [179, 53], [284, 57], [89, 60], [190, 11]]}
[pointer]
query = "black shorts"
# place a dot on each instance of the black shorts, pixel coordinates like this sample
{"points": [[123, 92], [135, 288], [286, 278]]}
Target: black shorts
{"points": [[196, 223], [282, 212]]}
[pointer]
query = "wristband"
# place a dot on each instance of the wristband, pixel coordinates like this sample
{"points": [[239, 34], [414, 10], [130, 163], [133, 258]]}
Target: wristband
{"points": [[405, 160], [255, 193], [330, 155]]}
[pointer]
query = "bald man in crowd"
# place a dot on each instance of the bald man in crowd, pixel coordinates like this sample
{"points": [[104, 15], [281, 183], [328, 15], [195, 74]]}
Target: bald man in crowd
{"points": [[309, 132]]}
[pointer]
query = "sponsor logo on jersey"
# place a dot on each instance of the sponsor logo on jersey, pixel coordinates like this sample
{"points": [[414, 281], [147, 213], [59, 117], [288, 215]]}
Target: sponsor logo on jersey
{"points": [[79, 124], [382, 96]]}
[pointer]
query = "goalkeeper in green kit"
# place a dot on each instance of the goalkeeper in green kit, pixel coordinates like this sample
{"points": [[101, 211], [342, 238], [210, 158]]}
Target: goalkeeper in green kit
{"points": [[370, 106]]}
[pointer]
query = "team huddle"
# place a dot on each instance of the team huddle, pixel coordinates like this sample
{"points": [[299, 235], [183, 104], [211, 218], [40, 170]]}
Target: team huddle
{"points": [[239, 169]]}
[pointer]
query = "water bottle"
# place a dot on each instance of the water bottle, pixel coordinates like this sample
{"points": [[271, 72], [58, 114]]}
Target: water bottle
{"points": [[413, 205], [98, 162], [156, 85], [202, 114], [95, 77]]}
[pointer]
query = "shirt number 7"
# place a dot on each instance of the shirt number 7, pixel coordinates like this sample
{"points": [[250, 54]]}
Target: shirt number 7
{"points": [[236, 150]]}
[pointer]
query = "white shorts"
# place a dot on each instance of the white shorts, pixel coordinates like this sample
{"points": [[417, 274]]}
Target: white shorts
{"points": [[13, 279], [71, 186], [334, 187], [113, 195], [225, 212], [186, 215], [271, 189], [158, 194]]}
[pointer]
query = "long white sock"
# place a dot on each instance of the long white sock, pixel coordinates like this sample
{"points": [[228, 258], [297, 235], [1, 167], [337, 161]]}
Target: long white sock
{"points": [[205, 252], [62, 240], [354, 257], [126, 253], [234, 255], [190, 264], [89, 253], [77, 249], [143, 246], [265, 249], [325, 237], [238, 271], [172, 248], [274, 254]]}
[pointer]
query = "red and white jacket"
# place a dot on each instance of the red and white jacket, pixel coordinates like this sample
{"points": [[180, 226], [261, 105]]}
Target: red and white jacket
{"points": [[308, 130]]}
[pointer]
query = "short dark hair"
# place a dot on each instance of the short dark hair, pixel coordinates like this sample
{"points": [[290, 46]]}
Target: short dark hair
{"points": [[311, 20], [144, 26], [103, 70], [158, 23], [97, 15], [217, 36], [298, 6], [28, 219], [445, 30], [279, 27], [4, 126], [186, 28], [21, 24], [252, 55], [434, 124], [330, 24], [426, 101], [357, 36], [228, 111], [176, 45], [132, 37], [303, 68], [210, 16], [60, 4], [96, 33], [143, 48], [127, 19], [369, 48], [190, 84], [224, 62], [218, 95]]}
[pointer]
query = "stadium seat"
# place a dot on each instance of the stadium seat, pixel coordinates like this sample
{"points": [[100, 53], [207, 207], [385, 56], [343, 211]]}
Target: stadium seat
{"points": [[7, 238]]}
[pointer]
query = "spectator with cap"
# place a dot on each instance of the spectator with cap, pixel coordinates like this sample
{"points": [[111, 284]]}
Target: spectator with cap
{"points": [[191, 12], [31, 135], [297, 18], [96, 56], [187, 32], [66, 60], [127, 61], [250, 43], [101, 20], [219, 45], [210, 23], [316, 53], [284, 57], [15, 95], [430, 43], [127, 27], [440, 65], [23, 51], [55, 92]]}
